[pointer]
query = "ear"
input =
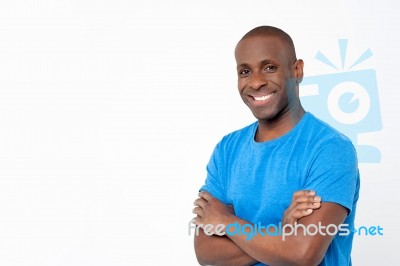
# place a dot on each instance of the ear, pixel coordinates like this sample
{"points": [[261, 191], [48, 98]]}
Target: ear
{"points": [[298, 70]]}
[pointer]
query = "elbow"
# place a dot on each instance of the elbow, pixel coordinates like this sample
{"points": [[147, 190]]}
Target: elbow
{"points": [[201, 259], [208, 254], [205, 257], [203, 263], [202, 255]]}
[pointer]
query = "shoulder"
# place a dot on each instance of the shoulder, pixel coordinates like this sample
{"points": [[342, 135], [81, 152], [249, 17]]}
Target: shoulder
{"points": [[323, 142], [323, 138], [237, 139], [244, 133], [322, 132]]}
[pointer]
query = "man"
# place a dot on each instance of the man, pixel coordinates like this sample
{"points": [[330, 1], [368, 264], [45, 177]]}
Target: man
{"points": [[254, 172]]}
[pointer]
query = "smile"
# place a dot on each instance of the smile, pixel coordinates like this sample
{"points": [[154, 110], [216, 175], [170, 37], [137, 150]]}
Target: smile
{"points": [[263, 98]]}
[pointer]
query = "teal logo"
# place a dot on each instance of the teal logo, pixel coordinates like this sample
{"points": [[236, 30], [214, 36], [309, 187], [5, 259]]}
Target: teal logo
{"points": [[348, 100]]}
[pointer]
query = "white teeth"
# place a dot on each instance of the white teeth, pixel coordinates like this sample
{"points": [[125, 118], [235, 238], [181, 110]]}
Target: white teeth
{"points": [[262, 98]]}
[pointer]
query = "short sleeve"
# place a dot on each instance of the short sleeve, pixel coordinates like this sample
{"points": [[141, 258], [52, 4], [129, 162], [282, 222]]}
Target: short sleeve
{"points": [[334, 174], [214, 183]]}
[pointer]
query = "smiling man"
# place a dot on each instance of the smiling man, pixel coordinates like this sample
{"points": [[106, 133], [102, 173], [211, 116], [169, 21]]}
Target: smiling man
{"points": [[253, 172]]}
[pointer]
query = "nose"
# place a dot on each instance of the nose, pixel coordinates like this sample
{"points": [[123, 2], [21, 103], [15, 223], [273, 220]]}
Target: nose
{"points": [[257, 81]]}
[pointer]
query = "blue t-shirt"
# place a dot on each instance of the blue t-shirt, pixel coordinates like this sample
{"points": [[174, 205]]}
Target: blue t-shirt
{"points": [[259, 178]]}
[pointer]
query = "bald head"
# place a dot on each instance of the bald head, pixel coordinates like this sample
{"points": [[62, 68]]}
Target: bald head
{"points": [[269, 31]]}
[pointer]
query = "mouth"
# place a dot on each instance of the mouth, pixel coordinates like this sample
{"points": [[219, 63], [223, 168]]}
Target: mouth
{"points": [[262, 98]]}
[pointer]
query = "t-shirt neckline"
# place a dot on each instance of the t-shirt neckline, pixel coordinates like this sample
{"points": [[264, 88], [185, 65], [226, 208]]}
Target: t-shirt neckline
{"points": [[282, 138]]}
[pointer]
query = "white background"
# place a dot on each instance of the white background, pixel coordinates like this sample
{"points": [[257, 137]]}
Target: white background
{"points": [[109, 112]]}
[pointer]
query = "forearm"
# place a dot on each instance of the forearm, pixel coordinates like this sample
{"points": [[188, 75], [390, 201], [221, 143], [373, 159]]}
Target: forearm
{"points": [[271, 249], [219, 251], [297, 249]]}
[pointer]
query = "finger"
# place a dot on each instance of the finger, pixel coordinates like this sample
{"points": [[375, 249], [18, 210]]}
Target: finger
{"points": [[304, 193], [205, 195], [300, 213], [293, 216], [312, 192], [299, 210], [317, 199], [306, 213], [305, 206], [290, 220], [312, 199], [200, 202], [198, 211], [303, 198], [298, 206], [197, 221]]}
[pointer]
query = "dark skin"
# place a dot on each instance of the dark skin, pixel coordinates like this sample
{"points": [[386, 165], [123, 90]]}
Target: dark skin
{"points": [[268, 82], [265, 69], [272, 250], [303, 204]]}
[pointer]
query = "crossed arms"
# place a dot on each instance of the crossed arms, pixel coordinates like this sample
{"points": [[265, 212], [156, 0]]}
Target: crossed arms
{"points": [[235, 249]]}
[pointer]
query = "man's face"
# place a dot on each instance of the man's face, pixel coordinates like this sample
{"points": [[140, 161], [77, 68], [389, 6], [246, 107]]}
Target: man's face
{"points": [[267, 76]]}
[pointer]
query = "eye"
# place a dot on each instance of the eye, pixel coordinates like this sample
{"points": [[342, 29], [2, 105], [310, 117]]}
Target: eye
{"points": [[244, 72], [270, 68]]}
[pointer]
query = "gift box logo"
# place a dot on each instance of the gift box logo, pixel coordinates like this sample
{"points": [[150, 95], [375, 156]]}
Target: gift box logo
{"points": [[347, 100]]}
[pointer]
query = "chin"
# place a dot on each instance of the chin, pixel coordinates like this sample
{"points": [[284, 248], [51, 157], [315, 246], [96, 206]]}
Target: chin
{"points": [[262, 113], [265, 115]]}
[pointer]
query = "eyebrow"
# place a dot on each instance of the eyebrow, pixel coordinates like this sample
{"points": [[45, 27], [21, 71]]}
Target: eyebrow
{"points": [[244, 65], [262, 63]]}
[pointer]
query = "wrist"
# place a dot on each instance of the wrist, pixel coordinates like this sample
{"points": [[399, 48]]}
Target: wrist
{"points": [[230, 219]]}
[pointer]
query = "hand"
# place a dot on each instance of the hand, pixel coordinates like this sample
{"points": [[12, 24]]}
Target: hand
{"points": [[210, 211], [304, 202]]}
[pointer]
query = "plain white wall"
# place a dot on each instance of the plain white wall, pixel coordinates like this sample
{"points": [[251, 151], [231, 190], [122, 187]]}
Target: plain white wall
{"points": [[109, 112]]}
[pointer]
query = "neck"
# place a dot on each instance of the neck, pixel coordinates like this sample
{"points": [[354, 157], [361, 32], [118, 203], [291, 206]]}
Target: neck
{"points": [[279, 125]]}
